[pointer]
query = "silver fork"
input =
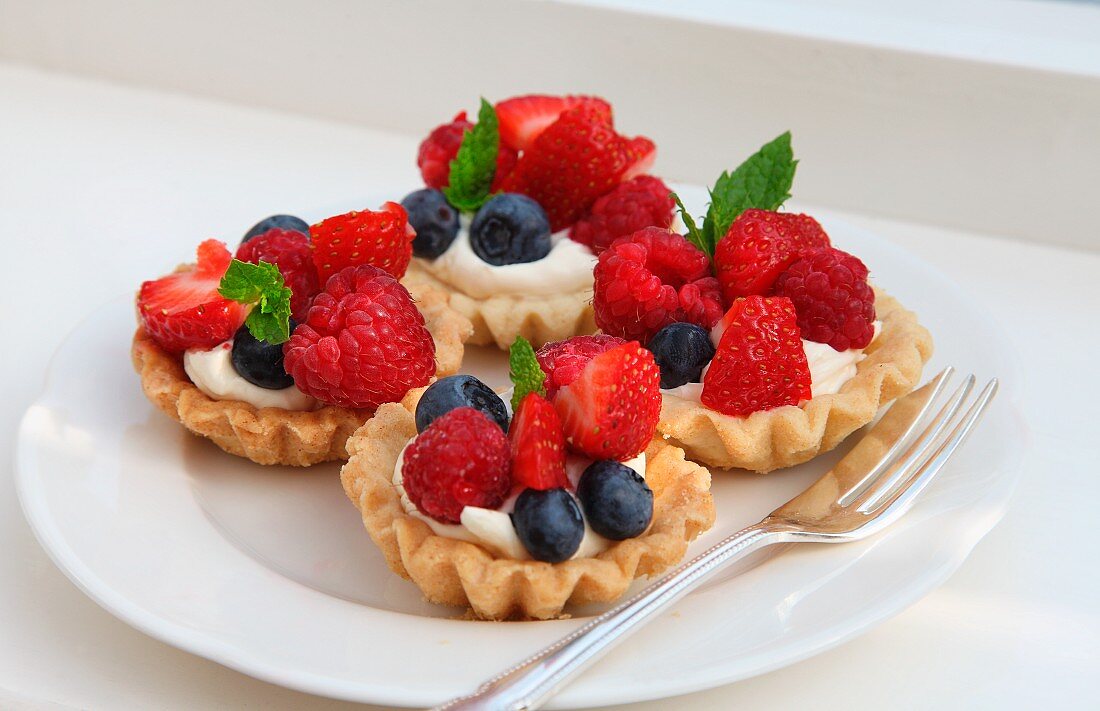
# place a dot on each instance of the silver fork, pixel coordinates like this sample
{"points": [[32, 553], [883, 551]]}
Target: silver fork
{"points": [[870, 488]]}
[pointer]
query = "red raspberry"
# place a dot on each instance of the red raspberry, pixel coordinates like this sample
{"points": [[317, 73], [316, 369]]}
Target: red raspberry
{"points": [[538, 445], [563, 361], [760, 244], [462, 459], [290, 251], [381, 238], [441, 146], [184, 310], [644, 201], [523, 118], [611, 410], [760, 362], [832, 298], [651, 279], [363, 343]]}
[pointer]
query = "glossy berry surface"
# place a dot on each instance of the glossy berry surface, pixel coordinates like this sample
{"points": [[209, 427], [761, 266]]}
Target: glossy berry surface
{"points": [[381, 238], [538, 445], [549, 524], [260, 362], [510, 229], [681, 350], [457, 391], [635, 204], [832, 298], [523, 118], [291, 252], [435, 222], [563, 361], [758, 246], [616, 500], [277, 222]]}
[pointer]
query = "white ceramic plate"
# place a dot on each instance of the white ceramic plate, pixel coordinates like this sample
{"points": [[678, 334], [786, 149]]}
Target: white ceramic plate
{"points": [[269, 570]]}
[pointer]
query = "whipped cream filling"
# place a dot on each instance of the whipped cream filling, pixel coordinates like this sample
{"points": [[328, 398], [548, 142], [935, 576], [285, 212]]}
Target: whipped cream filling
{"points": [[213, 373], [566, 269], [493, 529]]}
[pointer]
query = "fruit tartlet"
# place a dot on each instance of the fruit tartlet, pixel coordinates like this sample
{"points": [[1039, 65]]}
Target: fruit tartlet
{"points": [[773, 345], [518, 206], [566, 501], [279, 354]]}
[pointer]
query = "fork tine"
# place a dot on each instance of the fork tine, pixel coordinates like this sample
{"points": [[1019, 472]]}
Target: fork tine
{"points": [[900, 500]]}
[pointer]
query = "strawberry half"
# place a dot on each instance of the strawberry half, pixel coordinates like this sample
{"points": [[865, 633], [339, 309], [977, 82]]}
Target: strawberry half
{"points": [[759, 245], [538, 445], [381, 238], [640, 154], [184, 310], [611, 410], [563, 361], [523, 118]]}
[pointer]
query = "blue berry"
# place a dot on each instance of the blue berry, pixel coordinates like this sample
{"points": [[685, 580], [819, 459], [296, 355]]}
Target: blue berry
{"points": [[435, 222], [510, 229], [283, 222], [549, 524], [681, 350], [616, 500], [260, 362], [456, 391]]}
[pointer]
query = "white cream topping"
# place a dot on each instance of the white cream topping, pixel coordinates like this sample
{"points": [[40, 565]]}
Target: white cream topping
{"points": [[213, 373], [566, 269]]}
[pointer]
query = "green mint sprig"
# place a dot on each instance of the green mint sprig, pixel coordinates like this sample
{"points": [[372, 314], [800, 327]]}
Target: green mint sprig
{"points": [[472, 170], [260, 285], [526, 373]]}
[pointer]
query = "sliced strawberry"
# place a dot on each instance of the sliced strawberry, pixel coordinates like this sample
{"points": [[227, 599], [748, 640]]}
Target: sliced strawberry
{"points": [[538, 445], [523, 118], [759, 245], [641, 152], [381, 238], [611, 410], [563, 361], [184, 310]]}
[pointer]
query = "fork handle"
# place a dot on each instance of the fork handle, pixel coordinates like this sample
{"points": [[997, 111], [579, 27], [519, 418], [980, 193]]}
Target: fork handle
{"points": [[531, 683]]}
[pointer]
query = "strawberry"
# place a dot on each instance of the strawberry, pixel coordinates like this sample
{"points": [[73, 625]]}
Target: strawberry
{"points": [[759, 245], [538, 445], [381, 238], [563, 361], [610, 411], [640, 153], [184, 310], [760, 362], [523, 118]]}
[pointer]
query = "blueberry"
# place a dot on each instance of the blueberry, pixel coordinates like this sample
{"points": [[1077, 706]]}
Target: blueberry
{"points": [[435, 222], [283, 222], [456, 391], [549, 524], [510, 229], [260, 362], [616, 500], [681, 350]]}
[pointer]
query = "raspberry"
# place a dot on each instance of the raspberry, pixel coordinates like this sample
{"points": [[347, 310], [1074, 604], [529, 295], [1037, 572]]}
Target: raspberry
{"points": [[381, 238], [563, 361], [644, 201], [760, 362], [760, 244], [462, 459], [538, 445], [363, 342], [832, 298], [651, 279], [289, 250], [441, 146]]}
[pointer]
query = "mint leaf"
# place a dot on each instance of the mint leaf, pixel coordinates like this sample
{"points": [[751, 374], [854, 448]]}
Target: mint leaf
{"points": [[261, 286], [763, 181], [473, 168], [525, 371], [694, 235]]}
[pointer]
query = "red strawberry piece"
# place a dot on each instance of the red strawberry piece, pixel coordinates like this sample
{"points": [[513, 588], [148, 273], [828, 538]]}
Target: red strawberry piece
{"points": [[538, 445], [184, 310], [290, 251], [363, 342], [611, 410], [381, 238], [462, 459], [563, 361], [760, 362], [644, 201], [523, 118], [441, 146], [641, 153], [760, 244], [651, 279], [832, 298]]}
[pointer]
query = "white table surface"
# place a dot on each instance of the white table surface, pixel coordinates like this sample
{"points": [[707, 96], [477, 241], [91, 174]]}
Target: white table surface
{"points": [[101, 186]]}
